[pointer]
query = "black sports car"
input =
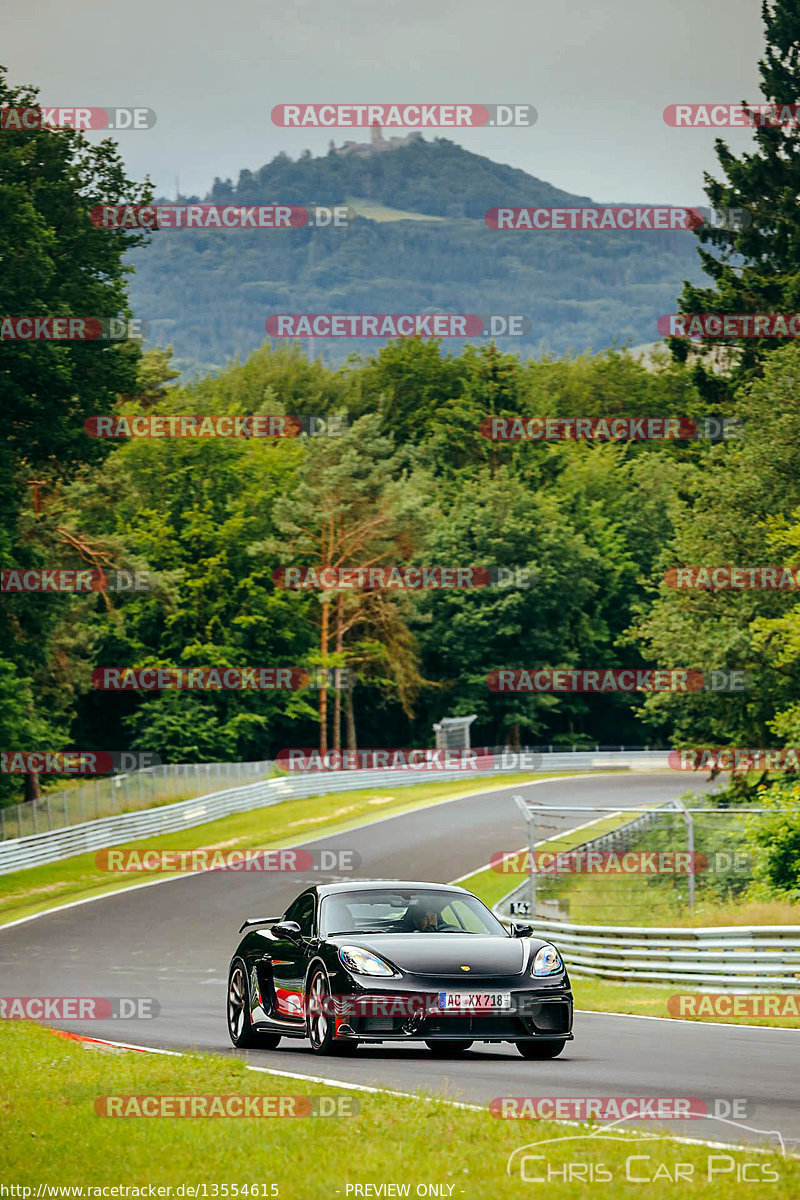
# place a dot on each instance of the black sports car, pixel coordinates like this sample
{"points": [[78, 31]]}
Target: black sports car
{"points": [[392, 961]]}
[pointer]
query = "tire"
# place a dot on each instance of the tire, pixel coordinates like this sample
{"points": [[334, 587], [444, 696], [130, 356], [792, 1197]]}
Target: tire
{"points": [[240, 1029], [320, 1024], [447, 1049], [532, 1048]]}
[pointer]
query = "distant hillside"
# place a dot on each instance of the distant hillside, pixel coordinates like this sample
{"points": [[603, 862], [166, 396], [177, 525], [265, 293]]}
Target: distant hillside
{"points": [[210, 292], [438, 177]]}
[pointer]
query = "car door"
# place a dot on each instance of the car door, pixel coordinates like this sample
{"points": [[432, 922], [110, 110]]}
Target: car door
{"points": [[290, 958]]}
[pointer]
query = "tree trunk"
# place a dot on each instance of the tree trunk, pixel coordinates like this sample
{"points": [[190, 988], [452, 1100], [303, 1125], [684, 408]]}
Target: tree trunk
{"points": [[32, 789], [323, 691], [337, 693], [515, 740], [351, 717]]}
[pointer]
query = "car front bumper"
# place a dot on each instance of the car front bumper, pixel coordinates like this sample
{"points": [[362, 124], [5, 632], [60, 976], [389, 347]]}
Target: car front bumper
{"points": [[407, 1009]]}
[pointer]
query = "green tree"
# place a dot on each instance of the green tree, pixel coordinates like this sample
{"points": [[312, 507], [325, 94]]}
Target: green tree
{"points": [[755, 268], [736, 506], [55, 264], [355, 503]]}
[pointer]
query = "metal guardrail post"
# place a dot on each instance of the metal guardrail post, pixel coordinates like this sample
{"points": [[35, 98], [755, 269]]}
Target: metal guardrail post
{"points": [[689, 820], [530, 825]]}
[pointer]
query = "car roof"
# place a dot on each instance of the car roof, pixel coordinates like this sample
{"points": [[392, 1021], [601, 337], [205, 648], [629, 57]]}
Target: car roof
{"points": [[329, 889]]}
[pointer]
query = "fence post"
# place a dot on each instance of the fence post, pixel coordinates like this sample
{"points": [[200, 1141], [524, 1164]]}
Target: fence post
{"points": [[19, 819], [689, 821]]}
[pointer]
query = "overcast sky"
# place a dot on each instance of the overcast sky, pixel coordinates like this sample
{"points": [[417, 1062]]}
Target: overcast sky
{"points": [[599, 74]]}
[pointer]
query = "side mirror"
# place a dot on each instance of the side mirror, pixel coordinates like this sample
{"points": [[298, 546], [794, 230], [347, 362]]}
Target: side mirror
{"points": [[288, 929], [521, 929]]}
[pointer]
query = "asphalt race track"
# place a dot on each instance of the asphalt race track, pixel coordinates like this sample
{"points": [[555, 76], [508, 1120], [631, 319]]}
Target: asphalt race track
{"points": [[173, 941]]}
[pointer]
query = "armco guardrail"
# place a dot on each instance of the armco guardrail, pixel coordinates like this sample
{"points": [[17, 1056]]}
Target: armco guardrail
{"points": [[18, 853], [760, 958]]}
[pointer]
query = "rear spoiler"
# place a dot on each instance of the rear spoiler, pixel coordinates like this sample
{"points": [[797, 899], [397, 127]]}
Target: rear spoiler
{"points": [[258, 921]]}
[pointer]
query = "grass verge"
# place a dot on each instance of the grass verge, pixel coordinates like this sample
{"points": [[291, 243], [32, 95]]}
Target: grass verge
{"points": [[54, 1136], [23, 893]]}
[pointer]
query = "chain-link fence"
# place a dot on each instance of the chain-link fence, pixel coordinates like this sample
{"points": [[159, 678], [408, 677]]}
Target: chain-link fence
{"points": [[115, 794]]}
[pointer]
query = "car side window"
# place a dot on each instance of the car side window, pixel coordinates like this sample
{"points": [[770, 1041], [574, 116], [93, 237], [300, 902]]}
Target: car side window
{"points": [[302, 911]]}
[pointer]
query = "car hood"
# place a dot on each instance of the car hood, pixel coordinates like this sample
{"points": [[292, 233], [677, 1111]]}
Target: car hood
{"points": [[447, 953]]}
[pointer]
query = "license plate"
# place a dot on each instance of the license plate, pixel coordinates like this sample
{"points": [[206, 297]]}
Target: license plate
{"points": [[463, 1001]]}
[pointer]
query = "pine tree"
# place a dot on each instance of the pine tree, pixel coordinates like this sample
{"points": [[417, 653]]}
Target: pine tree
{"points": [[755, 267]]}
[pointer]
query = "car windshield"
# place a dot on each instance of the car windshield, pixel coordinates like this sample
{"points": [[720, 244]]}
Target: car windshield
{"points": [[389, 910]]}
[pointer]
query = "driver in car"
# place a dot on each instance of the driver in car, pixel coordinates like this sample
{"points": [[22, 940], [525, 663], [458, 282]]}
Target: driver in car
{"points": [[424, 918]]}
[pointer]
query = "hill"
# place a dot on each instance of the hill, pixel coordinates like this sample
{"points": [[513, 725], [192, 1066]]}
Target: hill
{"points": [[210, 292]]}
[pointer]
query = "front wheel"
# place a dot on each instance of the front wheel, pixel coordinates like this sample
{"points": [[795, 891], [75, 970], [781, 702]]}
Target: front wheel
{"points": [[320, 1024], [447, 1049], [240, 1027], [537, 1049]]}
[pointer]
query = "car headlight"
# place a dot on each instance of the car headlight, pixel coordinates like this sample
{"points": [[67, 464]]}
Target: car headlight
{"points": [[363, 962], [547, 961]]}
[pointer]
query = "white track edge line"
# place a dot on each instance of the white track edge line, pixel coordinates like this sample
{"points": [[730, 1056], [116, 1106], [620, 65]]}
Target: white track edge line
{"points": [[363, 1087]]}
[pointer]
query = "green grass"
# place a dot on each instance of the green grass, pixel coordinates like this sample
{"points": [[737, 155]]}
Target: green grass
{"points": [[649, 1000], [37, 889], [492, 885], [375, 211], [53, 1135]]}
